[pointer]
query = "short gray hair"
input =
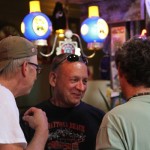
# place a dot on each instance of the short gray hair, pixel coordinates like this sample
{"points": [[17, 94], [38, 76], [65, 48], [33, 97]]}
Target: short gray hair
{"points": [[11, 69]]}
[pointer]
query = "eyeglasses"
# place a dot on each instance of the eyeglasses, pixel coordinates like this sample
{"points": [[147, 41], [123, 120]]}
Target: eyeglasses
{"points": [[38, 68], [73, 58]]}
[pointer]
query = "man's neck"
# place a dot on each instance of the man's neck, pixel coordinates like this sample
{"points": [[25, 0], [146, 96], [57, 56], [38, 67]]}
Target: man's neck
{"points": [[10, 84], [134, 91]]}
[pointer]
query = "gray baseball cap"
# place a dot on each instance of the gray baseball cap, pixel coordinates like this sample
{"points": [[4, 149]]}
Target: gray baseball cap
{"points": [[15, 47]]}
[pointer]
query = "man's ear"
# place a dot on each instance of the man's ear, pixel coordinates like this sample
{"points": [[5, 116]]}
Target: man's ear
{"points": [[24, 68], [52, 78]]}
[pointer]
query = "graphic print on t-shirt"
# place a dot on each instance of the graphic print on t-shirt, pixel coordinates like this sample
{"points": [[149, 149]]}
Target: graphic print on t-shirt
{"points": [[65, 135]]}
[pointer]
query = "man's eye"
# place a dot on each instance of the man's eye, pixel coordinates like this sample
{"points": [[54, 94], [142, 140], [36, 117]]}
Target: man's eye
{"points": [[85, 82], [74, 80]]}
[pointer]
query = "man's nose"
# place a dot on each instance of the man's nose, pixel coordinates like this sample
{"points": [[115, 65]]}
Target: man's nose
{"points": [[80, 86]]}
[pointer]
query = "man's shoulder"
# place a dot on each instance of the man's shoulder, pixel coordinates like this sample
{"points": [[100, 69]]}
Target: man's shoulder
{"points": [[44, 104], [121, 112], [92, 108]]}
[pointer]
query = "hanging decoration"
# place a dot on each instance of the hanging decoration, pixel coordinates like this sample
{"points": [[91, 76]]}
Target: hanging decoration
{"points": [[36, 26], [66, 44], [94, 29], [59, 19]]}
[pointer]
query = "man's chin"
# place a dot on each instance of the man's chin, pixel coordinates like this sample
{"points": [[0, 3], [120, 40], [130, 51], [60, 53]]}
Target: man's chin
{"points": [[76, 102]]}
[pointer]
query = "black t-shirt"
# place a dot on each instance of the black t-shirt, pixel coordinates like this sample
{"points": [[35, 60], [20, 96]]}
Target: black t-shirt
{"points": [[69, 128]]}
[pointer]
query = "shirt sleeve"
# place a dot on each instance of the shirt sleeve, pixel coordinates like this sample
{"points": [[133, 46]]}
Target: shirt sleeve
{"points": [[10, 130], [109, 136]]}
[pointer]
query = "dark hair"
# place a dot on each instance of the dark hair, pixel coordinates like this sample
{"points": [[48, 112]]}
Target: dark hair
{"points": [[133, 59], [56, 60], [62, 57]]}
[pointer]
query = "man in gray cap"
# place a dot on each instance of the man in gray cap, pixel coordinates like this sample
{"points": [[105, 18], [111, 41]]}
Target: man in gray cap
{"points": [[18, 71]]}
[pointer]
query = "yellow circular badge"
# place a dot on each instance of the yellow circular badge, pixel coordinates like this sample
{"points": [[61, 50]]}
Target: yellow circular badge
{"points": [[40, 25]]}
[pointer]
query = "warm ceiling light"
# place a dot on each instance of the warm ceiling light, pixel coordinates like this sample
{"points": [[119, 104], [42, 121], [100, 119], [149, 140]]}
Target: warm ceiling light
{"points": [[93, 11], [34, 6]]}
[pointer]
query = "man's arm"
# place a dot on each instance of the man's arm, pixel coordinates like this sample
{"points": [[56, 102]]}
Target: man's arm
{"points": [[36, 119]]}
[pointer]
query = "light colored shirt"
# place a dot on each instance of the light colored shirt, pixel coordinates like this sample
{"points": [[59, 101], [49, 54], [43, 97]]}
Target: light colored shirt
{"points": [[10, 130], [126, 127]]}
